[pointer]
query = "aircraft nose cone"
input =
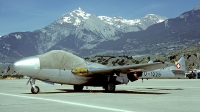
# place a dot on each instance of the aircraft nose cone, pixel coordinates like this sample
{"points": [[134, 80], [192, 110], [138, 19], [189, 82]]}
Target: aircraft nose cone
{"points": [[26, 66]]}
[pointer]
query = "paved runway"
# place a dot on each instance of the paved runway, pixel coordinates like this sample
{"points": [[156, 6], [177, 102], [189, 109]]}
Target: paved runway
{"points": [[154, 95]]}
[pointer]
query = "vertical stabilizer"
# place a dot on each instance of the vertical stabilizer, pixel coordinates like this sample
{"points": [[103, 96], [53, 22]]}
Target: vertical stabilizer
{"points": [[180, 65], [180, 68]]}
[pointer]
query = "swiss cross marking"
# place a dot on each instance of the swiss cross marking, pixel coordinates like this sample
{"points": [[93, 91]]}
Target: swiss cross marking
{"points": [[178, 65]]}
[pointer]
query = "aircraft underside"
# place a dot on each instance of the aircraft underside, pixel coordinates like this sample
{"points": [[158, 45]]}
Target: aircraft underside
{"points": [[107, 82]]}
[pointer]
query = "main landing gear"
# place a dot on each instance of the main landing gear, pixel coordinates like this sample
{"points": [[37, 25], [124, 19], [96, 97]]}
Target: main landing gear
{"points": [[110, 85], [34, 89]]}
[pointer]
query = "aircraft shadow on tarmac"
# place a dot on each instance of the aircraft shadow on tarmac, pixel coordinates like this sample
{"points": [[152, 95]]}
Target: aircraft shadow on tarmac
{"points": [[159, 89], [143, 91], [116, 92]]}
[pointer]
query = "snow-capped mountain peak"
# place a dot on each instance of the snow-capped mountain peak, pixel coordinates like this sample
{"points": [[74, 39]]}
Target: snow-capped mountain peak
{"points": [[79, 12], [155, 17], [79, 16], [197, 7], [132, 25], [75, 17]]}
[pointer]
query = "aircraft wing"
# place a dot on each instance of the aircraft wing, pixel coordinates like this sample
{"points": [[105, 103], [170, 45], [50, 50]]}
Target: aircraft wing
{"points": [[122, 69]]}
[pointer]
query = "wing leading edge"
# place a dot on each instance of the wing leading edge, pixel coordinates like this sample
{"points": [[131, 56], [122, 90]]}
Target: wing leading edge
{"points": [[122, 69]]}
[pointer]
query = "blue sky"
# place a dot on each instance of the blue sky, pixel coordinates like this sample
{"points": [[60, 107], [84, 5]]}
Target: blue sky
{"points": [[30, 15]]}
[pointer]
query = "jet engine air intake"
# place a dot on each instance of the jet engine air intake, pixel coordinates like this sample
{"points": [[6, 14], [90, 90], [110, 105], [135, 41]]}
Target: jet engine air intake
{"points": [[133, 76]]}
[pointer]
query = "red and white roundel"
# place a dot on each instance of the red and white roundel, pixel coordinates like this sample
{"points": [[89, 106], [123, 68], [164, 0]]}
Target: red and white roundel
{"points": [[178, 65]]}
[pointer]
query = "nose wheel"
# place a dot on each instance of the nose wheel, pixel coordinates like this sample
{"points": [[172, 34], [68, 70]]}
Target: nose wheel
{"points": [[34, 89]]}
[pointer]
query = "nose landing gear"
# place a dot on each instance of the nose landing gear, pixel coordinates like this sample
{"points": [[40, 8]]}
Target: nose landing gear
{"points": [[34, 89]]}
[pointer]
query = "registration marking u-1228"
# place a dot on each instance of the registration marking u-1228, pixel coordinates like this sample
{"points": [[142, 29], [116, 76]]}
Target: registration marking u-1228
{"points": [[152, 74]]}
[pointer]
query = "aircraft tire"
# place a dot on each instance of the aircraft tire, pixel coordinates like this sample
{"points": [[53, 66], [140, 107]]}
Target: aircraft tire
{"points": [[78, 88], [36, 90], [110, 87]]}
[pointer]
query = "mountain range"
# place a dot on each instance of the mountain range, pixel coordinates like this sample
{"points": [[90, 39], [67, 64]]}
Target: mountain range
{"points": [[87, 35]]}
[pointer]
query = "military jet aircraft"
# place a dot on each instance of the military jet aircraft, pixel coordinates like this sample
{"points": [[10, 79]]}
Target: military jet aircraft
{"points": [[58, 66]]}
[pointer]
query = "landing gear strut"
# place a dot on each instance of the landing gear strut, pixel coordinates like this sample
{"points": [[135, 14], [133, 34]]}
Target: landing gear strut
{"points": [[34, 89]]}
